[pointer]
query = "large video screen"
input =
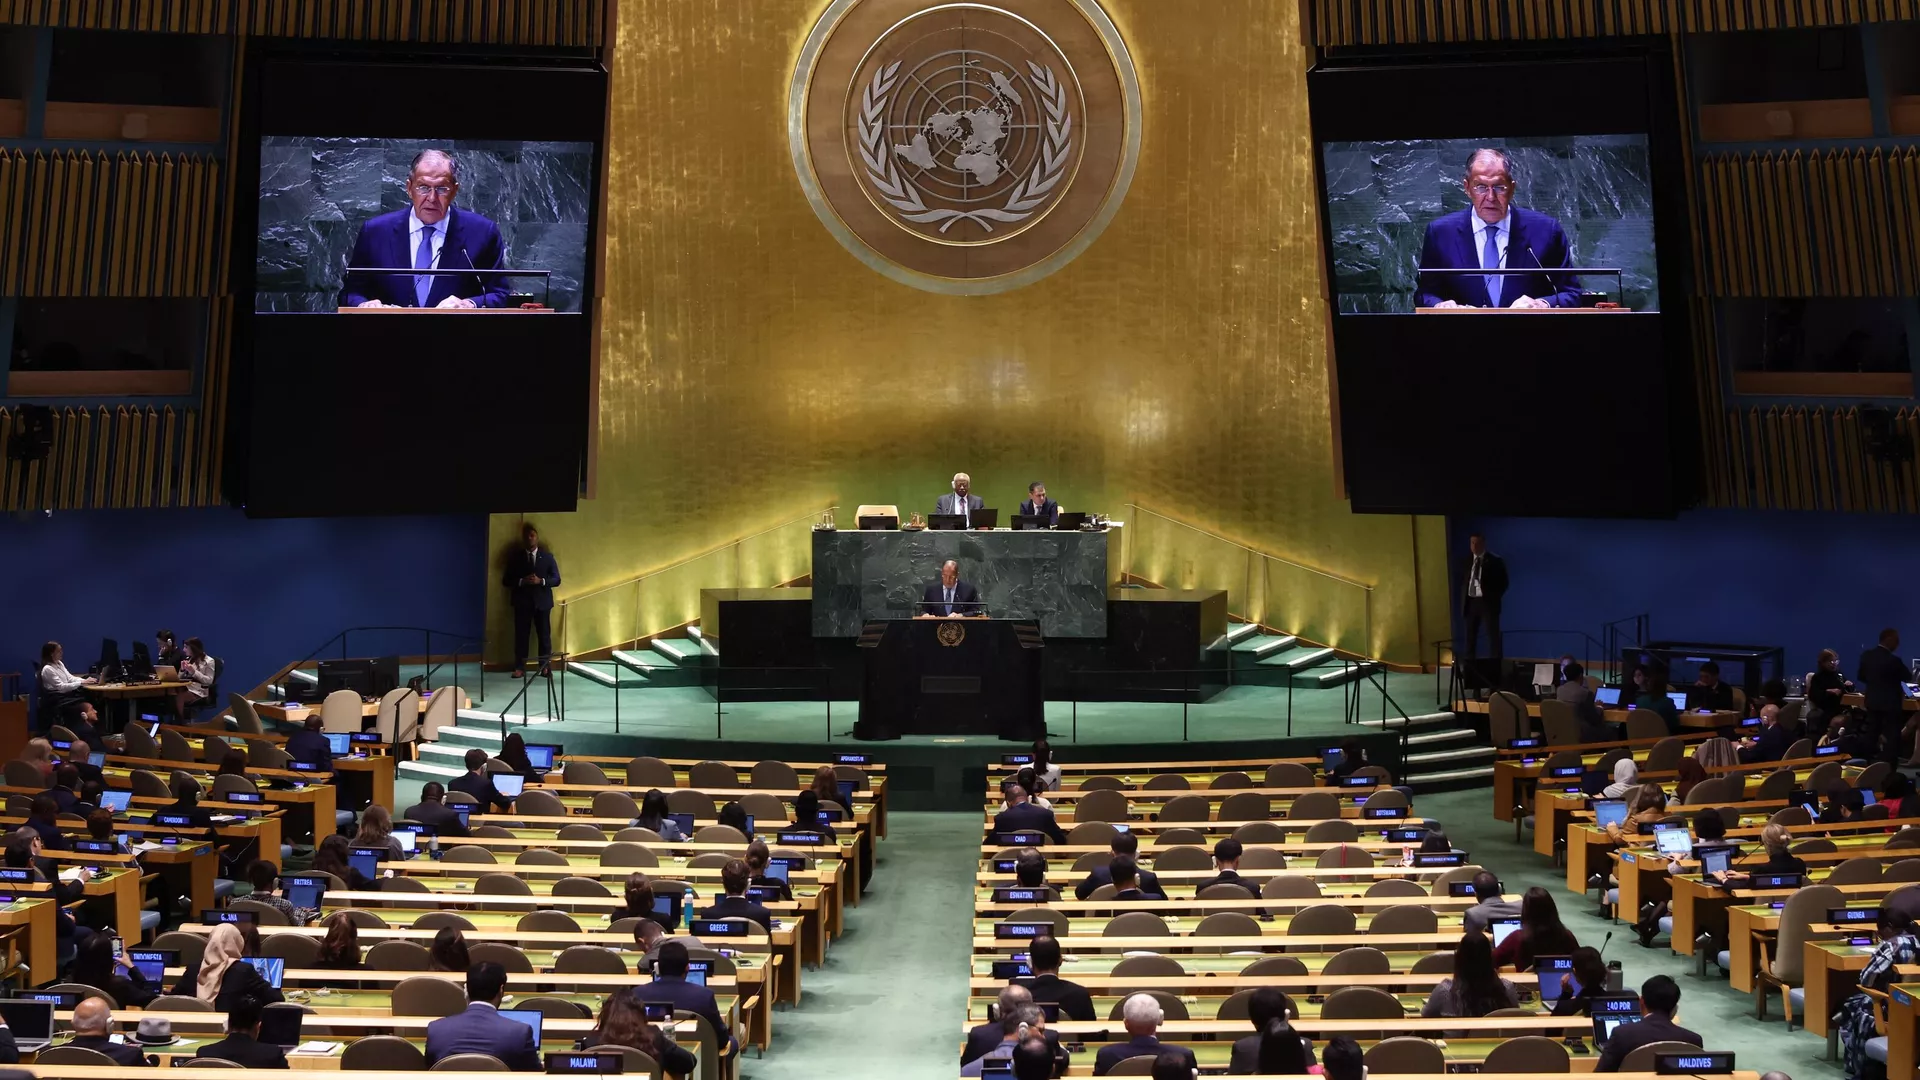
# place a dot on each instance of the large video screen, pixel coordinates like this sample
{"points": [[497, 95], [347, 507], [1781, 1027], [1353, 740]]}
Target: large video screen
{"points": [[421, 260], [1498, 277], [1411, 219], [332, 210]]}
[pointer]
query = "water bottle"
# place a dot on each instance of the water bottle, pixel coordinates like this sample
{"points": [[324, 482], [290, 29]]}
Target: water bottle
{"points": [[1615, 979]]}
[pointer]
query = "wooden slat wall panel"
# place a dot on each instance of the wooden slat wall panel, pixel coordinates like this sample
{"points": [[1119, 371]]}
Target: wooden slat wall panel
{"points": [[1842, 222], [113, 458], [1404, 22], [169, 16], [561, 23], [77, 223], [1799, 458]]}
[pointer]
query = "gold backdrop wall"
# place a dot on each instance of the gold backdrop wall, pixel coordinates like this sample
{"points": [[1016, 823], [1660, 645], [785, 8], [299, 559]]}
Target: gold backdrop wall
{"points": [[753, 371]]}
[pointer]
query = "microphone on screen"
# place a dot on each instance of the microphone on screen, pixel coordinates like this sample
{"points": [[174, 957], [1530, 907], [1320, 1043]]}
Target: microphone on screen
{"points": [[1530, 251]]}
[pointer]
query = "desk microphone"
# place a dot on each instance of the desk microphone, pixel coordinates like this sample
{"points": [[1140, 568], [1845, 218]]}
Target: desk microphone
{"points": [[478, 280], [1530, 251]]}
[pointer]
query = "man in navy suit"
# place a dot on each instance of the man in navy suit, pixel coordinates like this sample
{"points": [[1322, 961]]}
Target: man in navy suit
{"points": [[671, 986], [1023, 816], [1038, 505], [949, 595], [1772, 742], [478, 783], [1123, 845], [531, 573], [1494, 234], [481, 1029], [1143, 1017], [309, 745], [734, 878], [428, 235]]}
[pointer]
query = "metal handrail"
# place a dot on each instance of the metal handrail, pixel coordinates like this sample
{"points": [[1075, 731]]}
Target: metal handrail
{"points": [[814, 516]]}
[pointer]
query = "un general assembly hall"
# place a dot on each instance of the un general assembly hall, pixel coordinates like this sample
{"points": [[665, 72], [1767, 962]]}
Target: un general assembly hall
{"points": [[1350, 538]]}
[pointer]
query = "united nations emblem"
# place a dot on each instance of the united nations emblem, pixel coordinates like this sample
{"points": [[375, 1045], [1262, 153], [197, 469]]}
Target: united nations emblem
{"points": [[965, 147], [950, 634]]}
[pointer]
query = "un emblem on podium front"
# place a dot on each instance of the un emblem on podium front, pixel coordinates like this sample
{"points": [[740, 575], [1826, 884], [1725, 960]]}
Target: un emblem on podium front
{"points": [[965, 148], [950, 634]]}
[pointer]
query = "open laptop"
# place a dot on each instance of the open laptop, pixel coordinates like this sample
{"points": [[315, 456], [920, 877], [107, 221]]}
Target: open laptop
{"points": [[1609, 812], [1608, 696], [115, 801], [280, 1027], [1500, 928], [31, 1023], [1674, 843], [1605, 1026], [304, 892], [1679, 699], [529, 1017], [271, 968], [1717, 859], [1550, 968], [541, 755], [153, 963], [366, 860], [509, 785], [339, 743], [666, 910]]}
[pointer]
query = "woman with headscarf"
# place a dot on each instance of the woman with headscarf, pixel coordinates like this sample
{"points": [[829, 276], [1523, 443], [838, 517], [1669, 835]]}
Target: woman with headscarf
{"points": [[220, 977], [1626, 777], [1898, 945]]}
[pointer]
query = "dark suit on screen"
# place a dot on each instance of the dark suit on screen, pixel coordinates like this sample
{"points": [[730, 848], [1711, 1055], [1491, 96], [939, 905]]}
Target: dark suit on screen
{"points": [[471, 241], [1537, 240], [966, 599], [532, 604]]}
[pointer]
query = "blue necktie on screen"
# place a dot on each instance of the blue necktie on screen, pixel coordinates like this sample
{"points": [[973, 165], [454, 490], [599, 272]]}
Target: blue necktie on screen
{"points": [[1490, 260], [423, 260]]}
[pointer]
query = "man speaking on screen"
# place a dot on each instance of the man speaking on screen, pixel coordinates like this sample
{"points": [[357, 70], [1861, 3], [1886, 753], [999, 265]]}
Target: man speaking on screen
{"points": [[428, 235], [1494, 234]]}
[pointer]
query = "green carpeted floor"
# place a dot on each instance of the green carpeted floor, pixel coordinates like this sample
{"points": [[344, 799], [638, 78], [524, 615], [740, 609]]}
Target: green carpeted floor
{"points": [[894, 985]]}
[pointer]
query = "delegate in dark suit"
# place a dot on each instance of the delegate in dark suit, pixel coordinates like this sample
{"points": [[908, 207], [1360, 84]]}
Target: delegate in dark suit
{"points": [[121, 1053], [482, 1030], [1536, 240], [1074, 1001], [1882, 674], [1026, 817], [964, 600], [470, 242], [309, 747], [687, 997], [439, 815], [1048, 509], [480, 786], [1103, 875], [1630, 1037], [951, 503], [739, 907], [1483, 583], [243, 1049], [531, 575], [1139, 1046], [983, 1039], [1770, 745]]}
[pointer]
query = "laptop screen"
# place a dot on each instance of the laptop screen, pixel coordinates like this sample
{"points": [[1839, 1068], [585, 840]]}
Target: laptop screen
{"points": [[31, 1021], [1604, 1027], [1550, 968], [685, 823], [696, 975], [1674, 843], [366, 860], [1607, 695], [1609, 812], [115, 801], [1716, 860], [1501, 928], [1330, 759], [338, 743], [305, 892], [777, 869], [271, 968], [540, 755], [280, 1027], [462, 811], [509, 785], [847, 788], [528, 1017], [666, 911], [153, 963], [1679, 699], [97, 759], [409, 840]]}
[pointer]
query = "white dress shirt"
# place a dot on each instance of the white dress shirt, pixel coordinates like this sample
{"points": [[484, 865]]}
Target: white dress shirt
{"points": [[55, 678], [414, 225], [199, 676], [1473, 578], [1480, 227]]}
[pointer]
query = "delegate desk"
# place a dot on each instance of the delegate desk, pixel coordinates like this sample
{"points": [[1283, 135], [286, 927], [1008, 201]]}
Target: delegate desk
{"points": [[960, 676], [1516, 772], [871, 776], [366, 775], [1752, 922]]}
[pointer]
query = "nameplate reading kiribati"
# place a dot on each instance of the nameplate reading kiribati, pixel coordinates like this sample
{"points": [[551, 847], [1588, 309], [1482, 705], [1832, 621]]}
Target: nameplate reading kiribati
{"points": [[966, 147]]}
